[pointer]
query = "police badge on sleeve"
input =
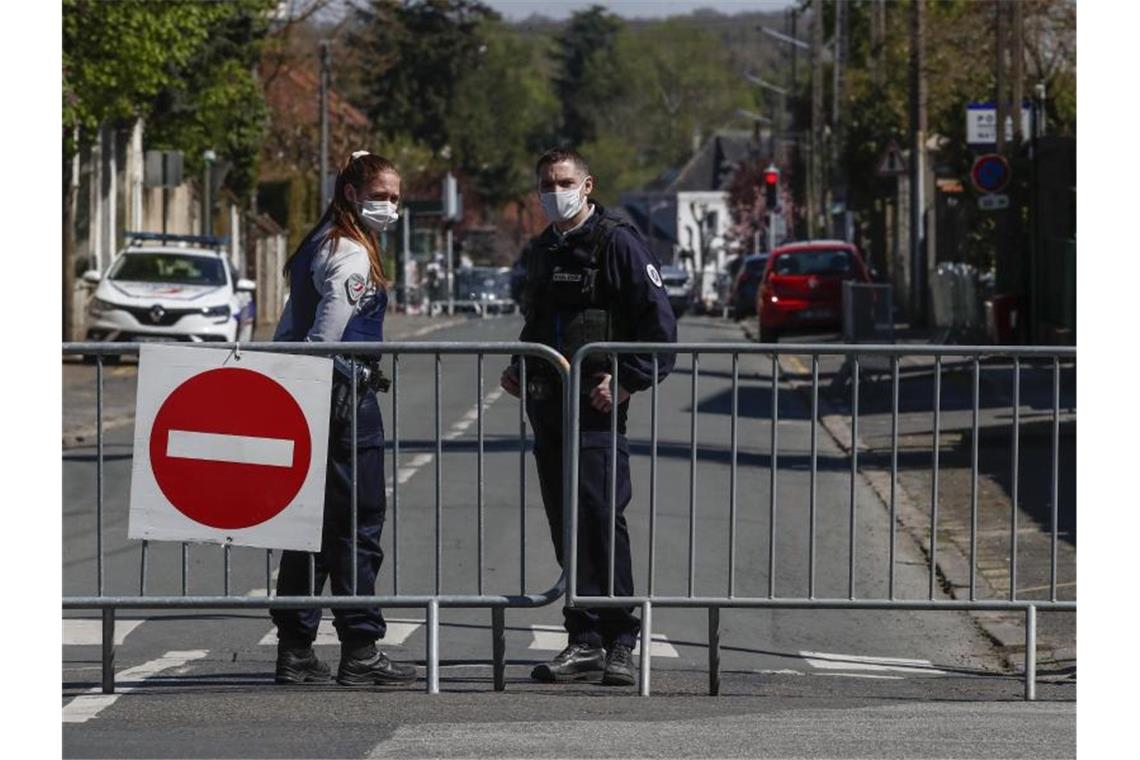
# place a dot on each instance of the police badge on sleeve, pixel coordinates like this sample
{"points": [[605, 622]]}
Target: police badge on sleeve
{"points": [[355, 286], [654, 277]]}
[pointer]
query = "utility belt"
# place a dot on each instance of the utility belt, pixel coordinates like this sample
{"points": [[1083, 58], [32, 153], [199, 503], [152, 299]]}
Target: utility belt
{"points": [[370, 379], [543, 384]]}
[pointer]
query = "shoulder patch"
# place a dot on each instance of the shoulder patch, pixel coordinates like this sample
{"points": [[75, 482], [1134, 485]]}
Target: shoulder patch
{"points": [[355, 286], [653, 274]]}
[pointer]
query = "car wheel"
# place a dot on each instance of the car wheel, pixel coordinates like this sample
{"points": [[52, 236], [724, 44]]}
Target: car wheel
{"points": [[768, 334]]}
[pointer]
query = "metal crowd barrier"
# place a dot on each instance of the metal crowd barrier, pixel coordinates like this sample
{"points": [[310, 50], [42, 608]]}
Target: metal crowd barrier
{"points": [[497, 603], [650, 599]]}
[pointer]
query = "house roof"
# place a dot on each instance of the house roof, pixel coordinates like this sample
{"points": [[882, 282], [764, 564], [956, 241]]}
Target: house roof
{"points": [[711, 168]]}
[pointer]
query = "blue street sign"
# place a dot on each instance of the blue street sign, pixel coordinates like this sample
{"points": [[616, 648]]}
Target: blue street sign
{"points": [[990, 173]]}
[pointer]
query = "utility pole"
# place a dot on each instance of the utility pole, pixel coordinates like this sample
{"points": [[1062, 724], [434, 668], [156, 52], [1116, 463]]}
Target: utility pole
{"points": [[917, 165], [208, 158], [1017, 53], [815, 180], [839, 60], [1000, 109], [324, 108]]}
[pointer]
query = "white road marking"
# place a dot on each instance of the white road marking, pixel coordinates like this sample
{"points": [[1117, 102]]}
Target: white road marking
{"points": [[83, 633], [553, 638], [832, 661], [436, 326], [240, 449], [405, 472], [399, 630], [860, 675], [90, 703]]}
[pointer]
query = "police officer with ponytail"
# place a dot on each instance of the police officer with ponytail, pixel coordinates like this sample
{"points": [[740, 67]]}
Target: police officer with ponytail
{"points": [[337, 292], [589, 277]]}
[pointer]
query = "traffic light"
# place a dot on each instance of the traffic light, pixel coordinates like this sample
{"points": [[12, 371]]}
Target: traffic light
{"points": [[771, 187]]}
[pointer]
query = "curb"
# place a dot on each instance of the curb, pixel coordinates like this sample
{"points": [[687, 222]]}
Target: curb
{"points": [[1004, 629]]}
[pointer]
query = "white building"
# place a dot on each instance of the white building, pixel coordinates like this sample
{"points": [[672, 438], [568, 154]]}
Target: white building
{"points": [[684, 213]]}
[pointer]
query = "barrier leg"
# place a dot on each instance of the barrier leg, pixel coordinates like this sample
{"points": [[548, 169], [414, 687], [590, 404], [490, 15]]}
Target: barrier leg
{"points": [[109, 650], [1031, 653], [646, 645], [499, 647], [714, 651], [433, 647]]}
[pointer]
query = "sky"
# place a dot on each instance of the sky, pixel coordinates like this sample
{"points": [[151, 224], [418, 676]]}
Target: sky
{"points": [[516, 10]]}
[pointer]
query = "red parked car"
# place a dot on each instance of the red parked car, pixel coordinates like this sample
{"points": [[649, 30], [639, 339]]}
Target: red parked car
{"points": [[803, 286]]}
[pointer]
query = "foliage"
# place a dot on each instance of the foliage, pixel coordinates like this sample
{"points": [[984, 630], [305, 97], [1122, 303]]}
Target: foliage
{"points": [[217, 103], [118, 56], [663, 83], [411, 57], [504, 115], [585, 44], [185, 67]]}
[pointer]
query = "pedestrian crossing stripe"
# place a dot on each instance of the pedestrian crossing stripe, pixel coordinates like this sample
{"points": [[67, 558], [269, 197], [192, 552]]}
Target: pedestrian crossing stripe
{"points": [[84, 632], [833, 661], [553, 638], [398, 632]]}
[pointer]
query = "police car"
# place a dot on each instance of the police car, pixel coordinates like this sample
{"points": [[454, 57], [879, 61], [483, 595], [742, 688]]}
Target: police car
{"points": [[170, 288]]}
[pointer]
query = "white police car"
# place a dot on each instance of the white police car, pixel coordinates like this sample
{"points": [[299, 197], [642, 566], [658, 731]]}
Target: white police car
{"points": [[170, 288]]}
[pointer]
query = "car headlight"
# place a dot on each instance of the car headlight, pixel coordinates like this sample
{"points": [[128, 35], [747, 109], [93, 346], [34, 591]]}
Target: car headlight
{"points": [[217, 312], [98, 307]]}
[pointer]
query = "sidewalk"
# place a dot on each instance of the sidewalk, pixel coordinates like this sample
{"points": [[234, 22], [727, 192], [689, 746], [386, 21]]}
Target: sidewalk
{"points": [[956, 492], [79, 380]]}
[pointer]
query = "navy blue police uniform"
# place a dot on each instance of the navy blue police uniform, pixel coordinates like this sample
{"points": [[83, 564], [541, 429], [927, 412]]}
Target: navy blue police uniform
{"points": [[313, 315], [597, 282]]}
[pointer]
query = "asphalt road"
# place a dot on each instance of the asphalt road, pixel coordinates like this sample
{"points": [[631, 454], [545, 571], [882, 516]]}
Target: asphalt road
{"points": [[794, 683]]}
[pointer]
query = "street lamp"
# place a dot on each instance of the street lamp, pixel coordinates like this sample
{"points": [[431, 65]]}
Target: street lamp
{"points": [[208, 159]]}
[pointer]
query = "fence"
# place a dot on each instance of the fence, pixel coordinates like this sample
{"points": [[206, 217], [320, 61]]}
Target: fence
{"points": [[931, 600], [431, 602], [955, 302], [890, 600]]}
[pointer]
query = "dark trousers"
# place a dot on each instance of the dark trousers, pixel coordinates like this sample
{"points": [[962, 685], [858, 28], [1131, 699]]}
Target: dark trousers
{"points": [[334, 561], [600, 625]]}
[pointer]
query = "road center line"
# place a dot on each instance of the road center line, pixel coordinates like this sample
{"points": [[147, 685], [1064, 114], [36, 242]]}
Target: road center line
{"points": [[405, 472], [90, 703]]}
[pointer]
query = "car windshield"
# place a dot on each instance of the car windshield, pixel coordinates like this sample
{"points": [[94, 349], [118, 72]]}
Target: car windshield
{"points": [[815, 262], [756, 266], [173, 268]]}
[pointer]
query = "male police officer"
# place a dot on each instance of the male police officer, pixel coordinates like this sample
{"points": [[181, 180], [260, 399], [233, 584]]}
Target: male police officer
{"points": [[589, 277]]}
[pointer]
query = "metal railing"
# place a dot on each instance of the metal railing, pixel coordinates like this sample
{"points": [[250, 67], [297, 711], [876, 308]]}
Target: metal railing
{"points": [[431, 602], [934, 599]]}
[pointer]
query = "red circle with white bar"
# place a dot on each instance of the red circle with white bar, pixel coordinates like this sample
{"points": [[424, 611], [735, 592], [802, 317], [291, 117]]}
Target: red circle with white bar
{"points": [[230, 448]]}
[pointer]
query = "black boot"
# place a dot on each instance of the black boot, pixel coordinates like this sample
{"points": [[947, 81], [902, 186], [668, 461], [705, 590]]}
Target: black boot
{"points": [[300, 665], [619, 667], [365, 665], [575, 661]]}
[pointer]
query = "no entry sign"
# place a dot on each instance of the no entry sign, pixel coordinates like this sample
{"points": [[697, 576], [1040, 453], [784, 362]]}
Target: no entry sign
{"points": [[230, 450]]}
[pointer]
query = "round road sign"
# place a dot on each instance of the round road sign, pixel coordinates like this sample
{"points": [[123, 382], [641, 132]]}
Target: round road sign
{"points": [[990, 173], [230, 448]]}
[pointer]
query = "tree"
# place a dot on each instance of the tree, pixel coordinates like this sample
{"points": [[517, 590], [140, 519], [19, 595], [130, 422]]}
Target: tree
{"points": [[215, 101], [409, 59], [585, 43], [498, 153]]}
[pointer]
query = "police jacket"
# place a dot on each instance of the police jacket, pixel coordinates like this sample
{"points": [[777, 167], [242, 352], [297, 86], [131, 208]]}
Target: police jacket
{"points": [[598, 282], [331, 298]]}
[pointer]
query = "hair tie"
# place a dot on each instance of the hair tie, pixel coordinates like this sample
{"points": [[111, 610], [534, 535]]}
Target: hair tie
{"points": [[359, 153]]}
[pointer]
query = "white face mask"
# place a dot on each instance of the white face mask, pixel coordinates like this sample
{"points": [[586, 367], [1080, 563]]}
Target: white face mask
{"points": [[562, 205], [378, 215]]}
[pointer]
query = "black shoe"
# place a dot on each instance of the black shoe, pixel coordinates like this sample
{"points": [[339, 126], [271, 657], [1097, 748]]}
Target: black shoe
{"points": [[300, 666], [372, 668], [619, 667], [575, 661]]}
